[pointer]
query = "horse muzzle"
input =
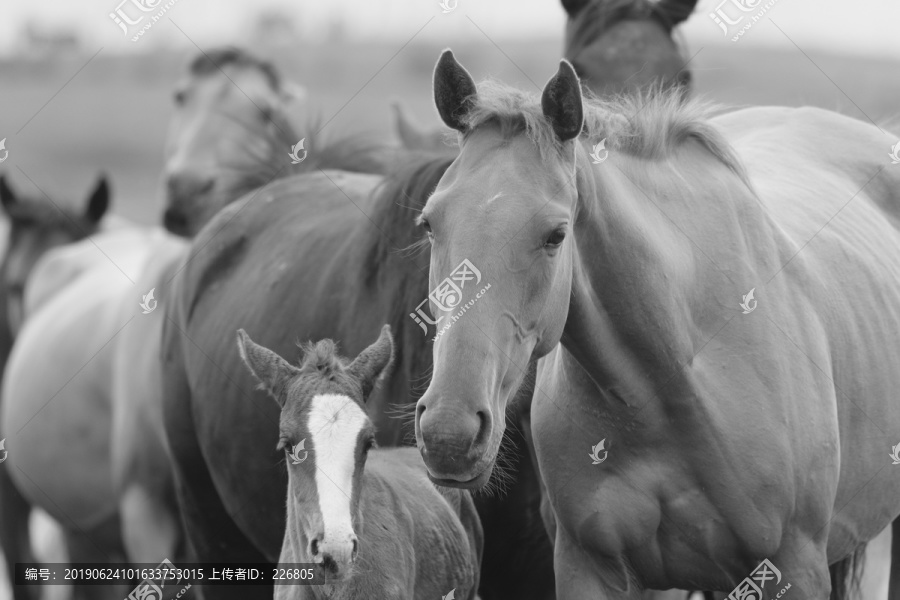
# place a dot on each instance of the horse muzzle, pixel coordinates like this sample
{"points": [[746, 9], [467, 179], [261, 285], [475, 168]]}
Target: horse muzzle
{"points": [[455, 442]]}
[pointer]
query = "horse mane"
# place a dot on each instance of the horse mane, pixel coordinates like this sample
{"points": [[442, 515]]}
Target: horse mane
{"points": [[649, 124], [399, 199]]}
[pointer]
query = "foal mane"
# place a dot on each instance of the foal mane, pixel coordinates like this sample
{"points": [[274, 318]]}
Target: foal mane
{"points": [[649, 124]]}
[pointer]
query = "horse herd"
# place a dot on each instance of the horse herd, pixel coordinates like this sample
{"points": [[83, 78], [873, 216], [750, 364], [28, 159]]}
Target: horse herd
{"points": [[610, 312]]}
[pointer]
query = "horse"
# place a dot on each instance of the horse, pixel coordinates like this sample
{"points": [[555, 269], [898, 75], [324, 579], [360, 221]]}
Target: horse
{"points": [[116, 395], [346, 240], [616, 46], [714, 316], [627, 46], [231, 133], [36, 224], [368, 518]]}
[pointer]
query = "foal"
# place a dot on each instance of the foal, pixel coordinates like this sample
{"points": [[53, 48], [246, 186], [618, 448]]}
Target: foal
{"points": [[376, 528]]}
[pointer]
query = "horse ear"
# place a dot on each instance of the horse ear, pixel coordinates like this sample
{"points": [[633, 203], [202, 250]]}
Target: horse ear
{"points": [[374, 363], [454, 91], [7, 196], [572, 7], [562, 102], [99, 201], [676, 11], [269, 369]]}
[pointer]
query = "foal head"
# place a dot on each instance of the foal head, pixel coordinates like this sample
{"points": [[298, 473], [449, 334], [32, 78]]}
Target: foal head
{"points": [[326, 435], [37, 225], [229, 131]]}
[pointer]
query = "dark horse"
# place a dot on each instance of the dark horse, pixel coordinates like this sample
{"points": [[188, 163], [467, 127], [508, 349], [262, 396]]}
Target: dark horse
{"points": [[35, 226], [311, 256], [615, 46], [626, 45]]}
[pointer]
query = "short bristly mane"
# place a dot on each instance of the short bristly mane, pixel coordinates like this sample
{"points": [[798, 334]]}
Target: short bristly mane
{"points": [[649, 124]]}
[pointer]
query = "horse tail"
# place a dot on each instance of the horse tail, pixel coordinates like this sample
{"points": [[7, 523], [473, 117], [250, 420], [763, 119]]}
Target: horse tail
{"points": [[846, 575]]}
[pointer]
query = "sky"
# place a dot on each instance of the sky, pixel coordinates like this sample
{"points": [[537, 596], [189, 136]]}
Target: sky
{"points": [[861, 27]]}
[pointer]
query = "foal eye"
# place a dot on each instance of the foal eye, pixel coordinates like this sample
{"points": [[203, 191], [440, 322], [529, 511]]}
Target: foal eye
{"points": [[555, 238]]}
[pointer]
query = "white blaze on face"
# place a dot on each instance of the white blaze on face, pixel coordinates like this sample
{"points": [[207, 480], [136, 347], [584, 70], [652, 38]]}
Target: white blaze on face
{"points": [[334, 423]]}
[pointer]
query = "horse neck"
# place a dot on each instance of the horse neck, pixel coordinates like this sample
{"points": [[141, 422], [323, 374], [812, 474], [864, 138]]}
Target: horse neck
{"points": [[641, 284]]}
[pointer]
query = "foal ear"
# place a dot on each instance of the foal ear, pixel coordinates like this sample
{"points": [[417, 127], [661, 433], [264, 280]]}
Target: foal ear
{"points": [[454, 91], [7, 196], [99, 201], [562, 102], [269, 369], [374, 363]]}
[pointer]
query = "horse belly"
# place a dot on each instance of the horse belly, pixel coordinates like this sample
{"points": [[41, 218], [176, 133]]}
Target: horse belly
{"points": [[56, 411]]}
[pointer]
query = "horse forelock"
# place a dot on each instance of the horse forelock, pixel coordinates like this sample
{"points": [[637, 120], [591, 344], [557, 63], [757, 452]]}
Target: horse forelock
{"points": [[215, 60], [649, 124]]}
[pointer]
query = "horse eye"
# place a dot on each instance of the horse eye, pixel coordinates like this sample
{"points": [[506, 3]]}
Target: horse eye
{"points": [[180, 97], [427, 226], [555, 238], [369, 444]]}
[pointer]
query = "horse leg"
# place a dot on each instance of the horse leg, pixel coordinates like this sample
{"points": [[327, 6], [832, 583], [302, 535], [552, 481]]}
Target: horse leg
{"points": [[150, 527], [579, 576], [14, 537], [101, 544], [894, 581], [212, 535]]}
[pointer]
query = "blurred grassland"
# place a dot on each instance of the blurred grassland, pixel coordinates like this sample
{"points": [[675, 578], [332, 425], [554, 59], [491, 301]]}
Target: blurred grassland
{"points": [[112, 116]]}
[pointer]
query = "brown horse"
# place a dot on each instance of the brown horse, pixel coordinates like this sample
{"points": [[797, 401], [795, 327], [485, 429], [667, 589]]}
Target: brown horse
{"points": [[368, 518], [36, 225], [686, 429], [615, 46]]}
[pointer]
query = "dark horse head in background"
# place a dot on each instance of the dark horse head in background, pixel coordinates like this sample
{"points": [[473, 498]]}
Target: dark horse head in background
{"points": [[624, 45], [615, 46]]}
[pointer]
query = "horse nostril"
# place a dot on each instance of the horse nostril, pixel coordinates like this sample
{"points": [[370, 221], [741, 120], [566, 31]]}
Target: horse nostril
{"points": [[484, 428], [355, 548], [328, 563], [314, 547]]}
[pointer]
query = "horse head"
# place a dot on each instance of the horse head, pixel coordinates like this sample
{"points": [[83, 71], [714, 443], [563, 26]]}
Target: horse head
{"points": [[38, 224], [229, 134], [326, 435], [623, 45]]}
